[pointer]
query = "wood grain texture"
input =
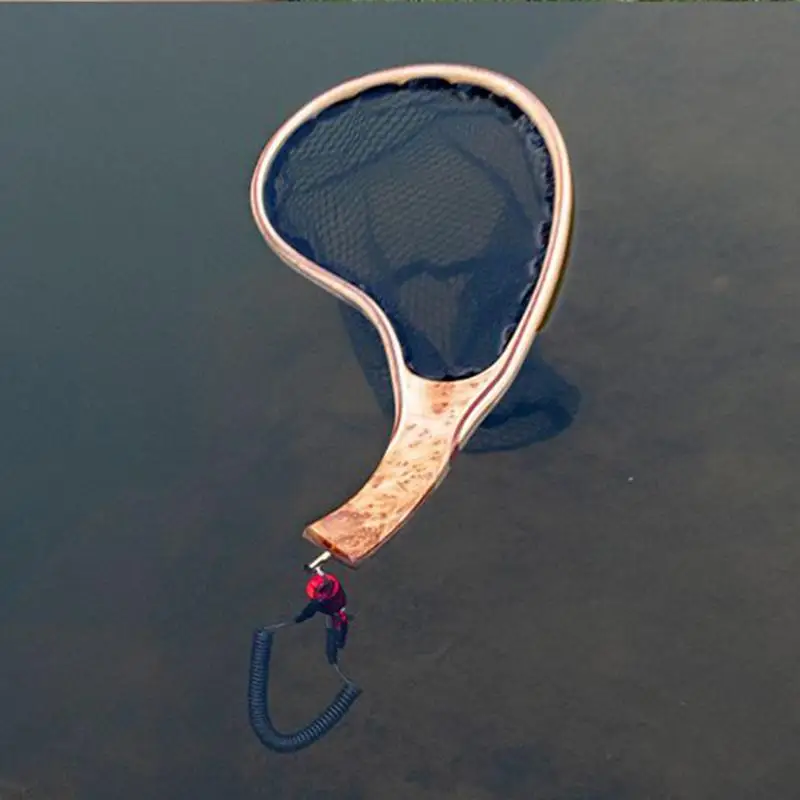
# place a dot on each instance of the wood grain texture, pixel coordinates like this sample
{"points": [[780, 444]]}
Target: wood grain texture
{"points": [[416, 460]]}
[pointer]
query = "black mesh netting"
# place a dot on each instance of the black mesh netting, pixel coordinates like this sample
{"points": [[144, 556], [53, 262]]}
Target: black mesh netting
{"points": [[435, 199]]}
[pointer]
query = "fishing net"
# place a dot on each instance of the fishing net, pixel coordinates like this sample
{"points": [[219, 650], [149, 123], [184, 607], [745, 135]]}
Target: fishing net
{"points": [[436, 199]]}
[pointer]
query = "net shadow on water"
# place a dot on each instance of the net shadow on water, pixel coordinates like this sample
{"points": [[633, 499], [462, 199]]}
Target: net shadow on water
{"points": [[540, 405]]}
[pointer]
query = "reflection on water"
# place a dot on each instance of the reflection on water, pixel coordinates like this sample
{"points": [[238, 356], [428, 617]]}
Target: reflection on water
{"points": [[607, 613]]}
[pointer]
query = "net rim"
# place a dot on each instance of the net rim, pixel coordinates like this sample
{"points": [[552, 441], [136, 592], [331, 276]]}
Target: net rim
{"points": [[536, 312]]}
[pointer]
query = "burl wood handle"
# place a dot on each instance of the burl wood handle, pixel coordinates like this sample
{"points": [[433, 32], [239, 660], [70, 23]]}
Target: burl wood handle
{"points": [[416, 461]]}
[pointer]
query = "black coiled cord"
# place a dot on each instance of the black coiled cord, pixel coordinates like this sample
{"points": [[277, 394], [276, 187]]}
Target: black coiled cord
{"points": [[258, 697]]}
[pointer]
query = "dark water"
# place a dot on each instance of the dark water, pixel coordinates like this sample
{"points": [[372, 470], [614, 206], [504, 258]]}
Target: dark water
{"points": [[611, 614]]}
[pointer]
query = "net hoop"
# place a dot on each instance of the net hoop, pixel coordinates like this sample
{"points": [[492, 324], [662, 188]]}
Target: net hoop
{"points": [[536, 312]]}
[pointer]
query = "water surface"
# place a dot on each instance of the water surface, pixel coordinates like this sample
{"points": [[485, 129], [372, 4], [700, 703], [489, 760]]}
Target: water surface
{"points": [[611, 613]]}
